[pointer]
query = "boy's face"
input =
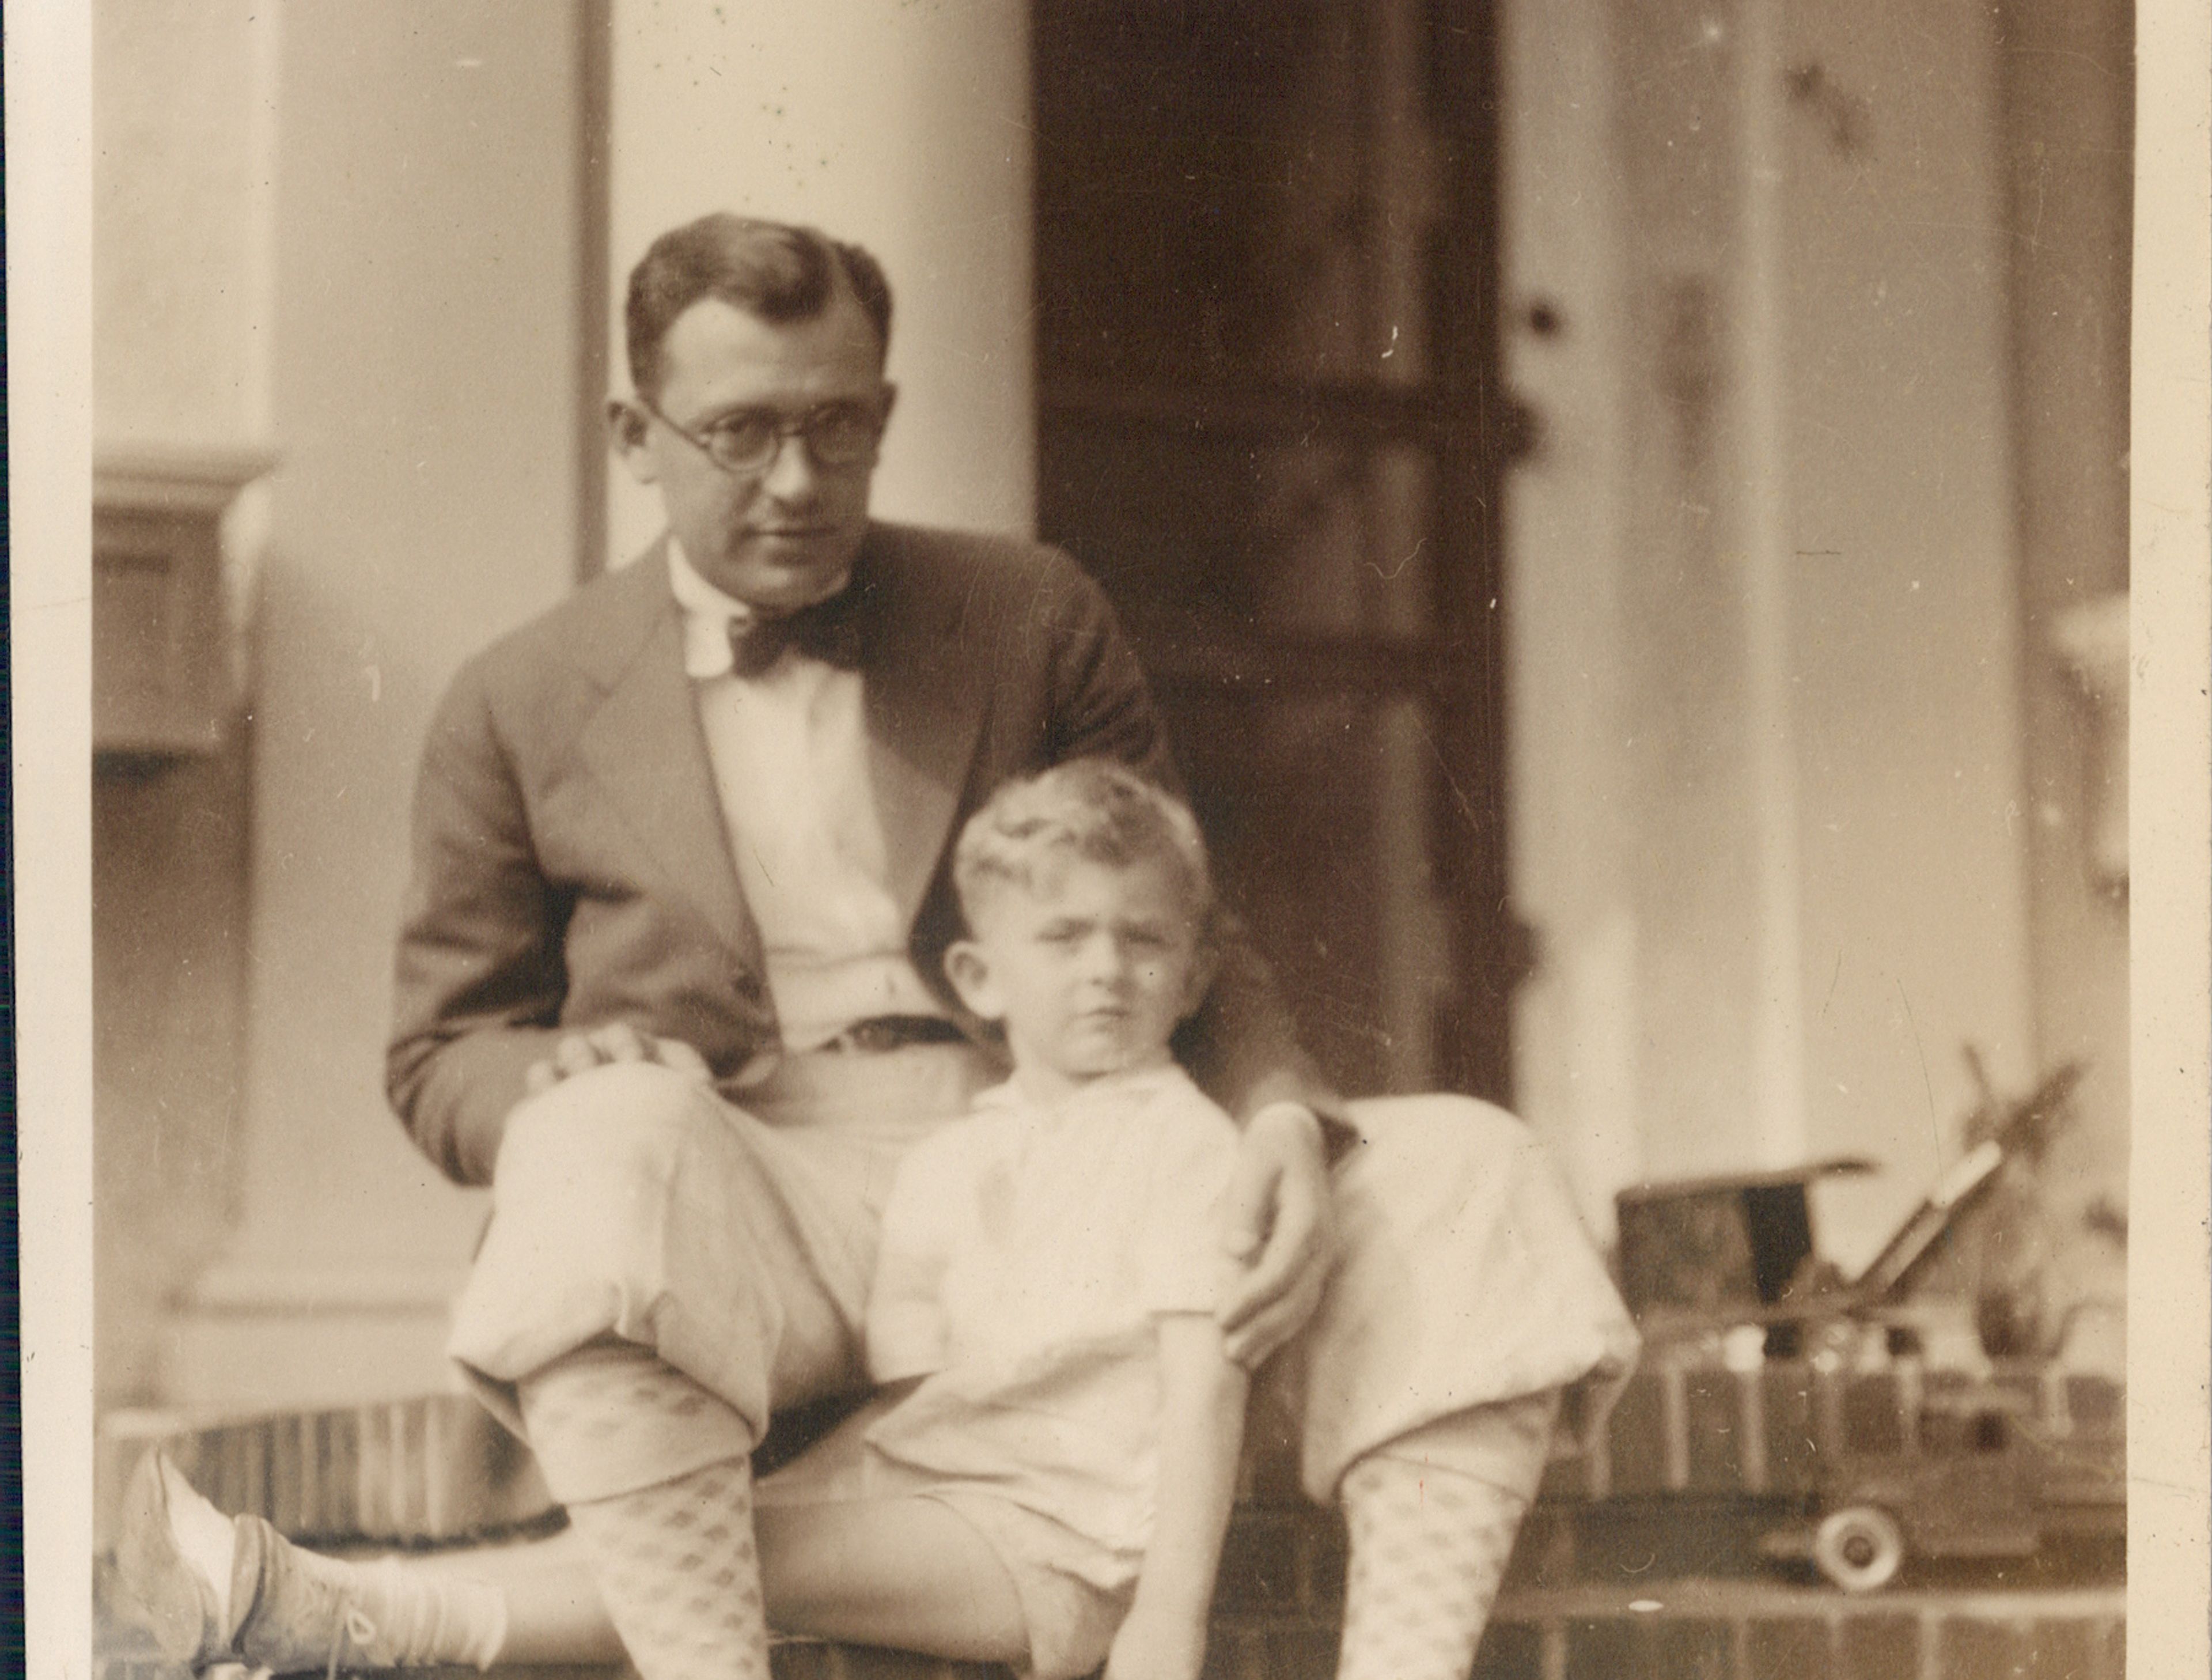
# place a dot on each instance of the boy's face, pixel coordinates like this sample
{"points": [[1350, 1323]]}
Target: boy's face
{"points": [[1090, 971]]}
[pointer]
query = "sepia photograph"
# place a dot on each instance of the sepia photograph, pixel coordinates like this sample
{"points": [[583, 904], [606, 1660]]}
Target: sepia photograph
{"points": [[1173, 839]]}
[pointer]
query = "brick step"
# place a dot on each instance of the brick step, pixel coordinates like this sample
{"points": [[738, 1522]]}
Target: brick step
{"points": [[437, 1469], [1696, 1462], [1659, 1630], [1747, 1630], [1685, 1425]]}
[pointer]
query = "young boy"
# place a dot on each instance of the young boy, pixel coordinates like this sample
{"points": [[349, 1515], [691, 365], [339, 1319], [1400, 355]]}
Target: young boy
{"points": [[1047, 1479]]}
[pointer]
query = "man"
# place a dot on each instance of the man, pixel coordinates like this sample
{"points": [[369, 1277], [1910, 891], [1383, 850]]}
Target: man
{"points": [[668, 982]]}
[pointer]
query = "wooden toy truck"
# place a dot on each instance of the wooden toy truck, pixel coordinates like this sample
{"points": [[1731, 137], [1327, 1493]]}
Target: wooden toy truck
{"points": [[1976, 1466]]}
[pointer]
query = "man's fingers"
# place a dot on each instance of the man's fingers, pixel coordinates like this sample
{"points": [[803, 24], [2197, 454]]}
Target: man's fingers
{"points": [[1268, 1304], [1294, 1248], [674, 1054], [1275, 1272], [573, 1054], [1251, 1344], [1244, 1207], [618, 1041]]}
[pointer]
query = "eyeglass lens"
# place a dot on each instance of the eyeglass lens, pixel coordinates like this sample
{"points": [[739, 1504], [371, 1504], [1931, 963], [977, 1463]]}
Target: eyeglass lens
{"points": [[840, 435]]}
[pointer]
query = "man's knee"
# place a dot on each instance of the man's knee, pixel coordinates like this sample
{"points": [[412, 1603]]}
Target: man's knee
{"points": [[1439, 1129], [623, 1123], [1505, 1443]]}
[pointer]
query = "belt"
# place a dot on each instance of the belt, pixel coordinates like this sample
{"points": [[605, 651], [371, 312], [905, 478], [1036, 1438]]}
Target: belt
{"points": [[882, 1033]]}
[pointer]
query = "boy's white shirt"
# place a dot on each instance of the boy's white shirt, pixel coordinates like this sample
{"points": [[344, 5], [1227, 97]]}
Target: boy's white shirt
{"points": [[1028, 1250]]}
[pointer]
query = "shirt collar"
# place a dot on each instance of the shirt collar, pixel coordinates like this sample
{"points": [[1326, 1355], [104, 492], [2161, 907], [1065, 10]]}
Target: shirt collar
{"points": [[709, 612], [1136, 1084]]}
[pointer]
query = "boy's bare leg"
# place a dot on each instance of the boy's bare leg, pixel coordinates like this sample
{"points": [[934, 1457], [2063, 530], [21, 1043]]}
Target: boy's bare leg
{"points": [[899, 1572], [553, 1611], [902, 1572], [906, 1573]]}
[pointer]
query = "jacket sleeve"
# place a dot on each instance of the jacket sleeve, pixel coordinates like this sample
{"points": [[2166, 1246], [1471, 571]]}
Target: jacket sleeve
{"points": [[479, 978], [1240, 1045]]}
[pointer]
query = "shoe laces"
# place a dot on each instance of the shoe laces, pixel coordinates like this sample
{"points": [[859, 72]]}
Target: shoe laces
{"points": [[354, 1627]]}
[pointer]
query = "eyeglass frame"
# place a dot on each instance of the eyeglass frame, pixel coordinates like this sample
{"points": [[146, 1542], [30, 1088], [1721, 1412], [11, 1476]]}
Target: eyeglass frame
{"points": [[799, 426]]}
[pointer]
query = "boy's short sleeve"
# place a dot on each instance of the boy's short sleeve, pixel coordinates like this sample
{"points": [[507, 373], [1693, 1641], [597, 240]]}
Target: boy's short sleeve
{"points": [[906, 1330], [1194, 1152]]}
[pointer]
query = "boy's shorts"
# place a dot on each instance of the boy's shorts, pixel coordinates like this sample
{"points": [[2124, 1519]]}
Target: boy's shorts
{"points": [[1074, 1590]]}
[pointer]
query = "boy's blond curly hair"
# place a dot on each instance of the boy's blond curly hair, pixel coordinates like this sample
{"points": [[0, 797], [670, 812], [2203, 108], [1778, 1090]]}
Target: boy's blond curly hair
{"points": [[1096, 809]]}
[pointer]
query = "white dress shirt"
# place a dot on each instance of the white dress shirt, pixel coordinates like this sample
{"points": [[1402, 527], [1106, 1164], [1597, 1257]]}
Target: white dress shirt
{"points": [[789, 750]]}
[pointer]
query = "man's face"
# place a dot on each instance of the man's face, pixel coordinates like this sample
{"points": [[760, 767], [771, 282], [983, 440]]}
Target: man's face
{"points": [[780, 537], [1090, 971]]}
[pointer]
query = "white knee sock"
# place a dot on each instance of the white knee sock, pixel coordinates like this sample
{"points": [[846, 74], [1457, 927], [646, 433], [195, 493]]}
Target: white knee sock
{"points": [[655, 1475]]}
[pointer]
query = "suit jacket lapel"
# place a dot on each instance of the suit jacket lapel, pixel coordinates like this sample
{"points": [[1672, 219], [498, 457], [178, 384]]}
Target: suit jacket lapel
{"points": [[925, 705], [644, 747]]}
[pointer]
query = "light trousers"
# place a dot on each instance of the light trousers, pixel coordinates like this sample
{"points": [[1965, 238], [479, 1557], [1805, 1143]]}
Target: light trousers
{"points": [[738, 1243]]}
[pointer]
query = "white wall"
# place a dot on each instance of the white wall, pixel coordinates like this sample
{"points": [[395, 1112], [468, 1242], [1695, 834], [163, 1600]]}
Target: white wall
{"points": [[904, 128], [1766, 756], [1577, 1036], [184, 119], [184, 116], [1905, 634]]}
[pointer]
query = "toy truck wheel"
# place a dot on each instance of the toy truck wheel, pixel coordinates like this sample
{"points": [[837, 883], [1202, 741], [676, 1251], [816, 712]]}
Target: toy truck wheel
{"points": [[1860, 1548]]}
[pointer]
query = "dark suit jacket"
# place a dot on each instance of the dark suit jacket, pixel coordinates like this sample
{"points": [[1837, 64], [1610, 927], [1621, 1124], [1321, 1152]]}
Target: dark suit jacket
{"points": [[571, 866]]}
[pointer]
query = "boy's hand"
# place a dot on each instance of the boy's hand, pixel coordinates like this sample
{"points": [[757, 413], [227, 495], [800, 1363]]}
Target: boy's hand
{"points": [[1157, 1648], [577, 1053], [1281, 1231]]}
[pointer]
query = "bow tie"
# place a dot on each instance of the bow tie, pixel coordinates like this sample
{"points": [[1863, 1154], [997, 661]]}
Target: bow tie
{"points": [[828, 631]]}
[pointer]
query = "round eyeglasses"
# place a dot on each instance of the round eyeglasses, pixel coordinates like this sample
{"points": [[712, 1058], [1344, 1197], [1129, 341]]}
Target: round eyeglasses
{"points": [[747, 440]]}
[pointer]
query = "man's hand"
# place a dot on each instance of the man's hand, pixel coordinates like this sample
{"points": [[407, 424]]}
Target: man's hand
{"points": [[1280, 1229], [577, 1053]]}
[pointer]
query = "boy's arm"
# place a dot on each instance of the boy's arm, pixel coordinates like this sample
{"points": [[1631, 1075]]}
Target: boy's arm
{"points": [[1201, 1426], [905, 1321]]}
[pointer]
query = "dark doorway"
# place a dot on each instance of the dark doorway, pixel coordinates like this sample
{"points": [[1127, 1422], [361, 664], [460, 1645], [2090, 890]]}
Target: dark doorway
{"points": [[1271, 424]]}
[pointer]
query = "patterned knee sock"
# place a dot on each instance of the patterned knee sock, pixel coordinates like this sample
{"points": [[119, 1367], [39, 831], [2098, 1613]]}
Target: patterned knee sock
{"points": [[1429, 1549], [643, 1459], [676, 1565]]}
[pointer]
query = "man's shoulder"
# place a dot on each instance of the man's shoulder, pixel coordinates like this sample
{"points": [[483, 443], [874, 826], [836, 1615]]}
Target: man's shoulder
{"points": [[589, 632], [920, 559], [976, 593]]}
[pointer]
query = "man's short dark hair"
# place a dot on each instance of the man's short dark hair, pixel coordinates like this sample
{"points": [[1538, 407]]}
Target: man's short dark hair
{"points": [[771, 270]]}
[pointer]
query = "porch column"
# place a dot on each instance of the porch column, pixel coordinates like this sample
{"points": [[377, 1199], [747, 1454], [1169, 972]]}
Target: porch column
{"points": [[422, 233], [904, 128]]}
